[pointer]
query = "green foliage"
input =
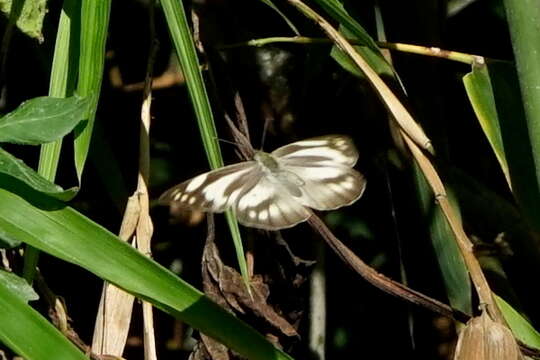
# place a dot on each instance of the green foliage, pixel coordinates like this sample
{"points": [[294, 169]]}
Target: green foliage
{"points": [[43, 120], [28, 15], [18, 286]]}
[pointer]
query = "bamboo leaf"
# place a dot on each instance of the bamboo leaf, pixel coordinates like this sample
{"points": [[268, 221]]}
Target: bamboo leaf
{"points": [[478, 86], [495, 95]]}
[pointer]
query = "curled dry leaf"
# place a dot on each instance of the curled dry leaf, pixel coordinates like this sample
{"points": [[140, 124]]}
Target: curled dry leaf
{"points": [[485, 339], [233, 291]]}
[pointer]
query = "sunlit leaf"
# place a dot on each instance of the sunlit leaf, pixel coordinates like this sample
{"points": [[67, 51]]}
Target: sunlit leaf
{"points": [[18, 286], [16, 168], [43, 119]]}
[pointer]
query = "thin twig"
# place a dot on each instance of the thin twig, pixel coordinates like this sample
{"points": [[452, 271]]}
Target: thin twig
{"points": [[380, 281], [401, 47]]}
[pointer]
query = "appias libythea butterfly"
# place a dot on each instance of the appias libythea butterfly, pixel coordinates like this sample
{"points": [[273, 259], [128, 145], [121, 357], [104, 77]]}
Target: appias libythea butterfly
{"points": [[274, 190]]}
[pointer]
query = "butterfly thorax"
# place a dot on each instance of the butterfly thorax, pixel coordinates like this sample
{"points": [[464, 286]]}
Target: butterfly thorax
{"points": [[267, 161]]}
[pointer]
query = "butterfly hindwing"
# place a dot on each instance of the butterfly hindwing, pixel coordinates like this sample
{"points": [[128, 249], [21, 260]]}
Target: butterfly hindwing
{"points": [[268, 205], [325, 166], [327, 187]]}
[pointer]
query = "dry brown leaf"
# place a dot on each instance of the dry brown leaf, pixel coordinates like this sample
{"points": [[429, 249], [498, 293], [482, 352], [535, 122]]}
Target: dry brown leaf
{"points": [[484, 339], [232, 289]]}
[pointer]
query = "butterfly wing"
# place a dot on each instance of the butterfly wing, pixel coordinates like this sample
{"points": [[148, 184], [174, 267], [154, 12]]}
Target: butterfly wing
{"points": [[322, 150], [258, 199], [214, 191], [266, 204], [324, 167]]}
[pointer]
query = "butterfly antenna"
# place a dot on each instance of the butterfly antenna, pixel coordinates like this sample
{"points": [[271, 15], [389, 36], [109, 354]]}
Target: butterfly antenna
{"points": [[228, 142], [265, 127], [242, 148]]}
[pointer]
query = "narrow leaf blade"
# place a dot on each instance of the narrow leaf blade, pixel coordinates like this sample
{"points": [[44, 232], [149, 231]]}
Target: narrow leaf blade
{"points": [[28, 334], [16, 168]]}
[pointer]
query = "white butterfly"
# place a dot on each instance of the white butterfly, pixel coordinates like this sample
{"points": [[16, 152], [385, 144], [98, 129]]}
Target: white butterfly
{"points": [[274, 190]]}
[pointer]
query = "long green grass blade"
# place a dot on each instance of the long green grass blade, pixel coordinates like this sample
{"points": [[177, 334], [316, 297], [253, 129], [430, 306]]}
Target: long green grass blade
{"points": [[63, 76], [52, 227], [62, 84], [94, 30], [524, 23], [30, 335], [185, 48]]}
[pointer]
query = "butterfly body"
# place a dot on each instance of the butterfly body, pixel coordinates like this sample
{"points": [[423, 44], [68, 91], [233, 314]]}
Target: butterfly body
{"points": [[275, 190]]}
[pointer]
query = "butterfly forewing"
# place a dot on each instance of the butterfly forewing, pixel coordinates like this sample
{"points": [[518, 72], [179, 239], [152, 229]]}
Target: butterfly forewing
{"points": [[330, 149], [213, 191]]}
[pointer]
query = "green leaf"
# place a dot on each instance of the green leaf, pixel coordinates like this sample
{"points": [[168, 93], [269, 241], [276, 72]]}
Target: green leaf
{"points": [[521, 328], [16, 168], [494, 92], [478, 86], [372, 58], [63, 76], [523, 18], [28, 334], [453, 269], [336, 10], [94, 30], [350, 28], [185, 49], [42, 120], [28, 15], [52, 227], [18, 286]]}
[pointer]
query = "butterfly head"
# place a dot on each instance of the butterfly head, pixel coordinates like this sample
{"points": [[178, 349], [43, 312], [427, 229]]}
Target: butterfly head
{"points": [[266, 160]]}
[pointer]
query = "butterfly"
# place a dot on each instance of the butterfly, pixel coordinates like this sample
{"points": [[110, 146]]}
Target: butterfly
{"points": [[275, 190]]}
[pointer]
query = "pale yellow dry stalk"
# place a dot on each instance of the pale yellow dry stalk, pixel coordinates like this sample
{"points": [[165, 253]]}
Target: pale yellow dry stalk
{"points": [[115, 306], [415, 139], [112, 323]]}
